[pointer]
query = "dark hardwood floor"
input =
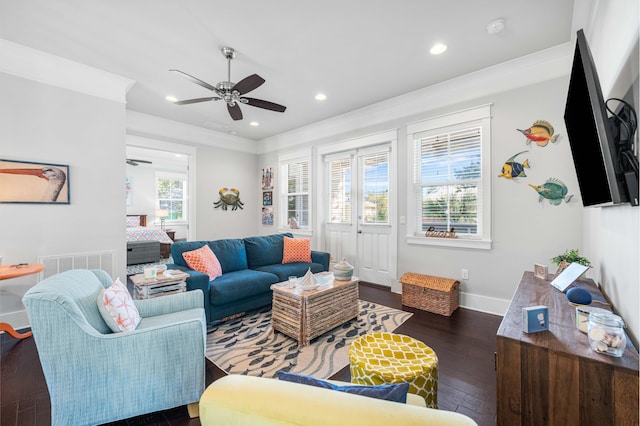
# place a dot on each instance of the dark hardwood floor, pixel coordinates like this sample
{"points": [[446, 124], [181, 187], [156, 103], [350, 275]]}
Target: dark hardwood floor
{"points": [[465, 344]]}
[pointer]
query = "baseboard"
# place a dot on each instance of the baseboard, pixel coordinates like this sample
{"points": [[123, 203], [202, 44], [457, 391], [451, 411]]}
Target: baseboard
{"points": [[17, 319], [489, 305], [476, 302]]}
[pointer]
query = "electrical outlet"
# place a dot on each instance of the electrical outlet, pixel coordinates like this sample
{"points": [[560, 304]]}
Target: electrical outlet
{"points": [[465, 274]]}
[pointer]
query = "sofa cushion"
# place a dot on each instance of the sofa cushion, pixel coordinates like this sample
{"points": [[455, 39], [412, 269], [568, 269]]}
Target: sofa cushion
{"points": [[285, 270], [395, 392], [296, 250], [265, 250], [117, 308], [237, 285], [231, 254], [203, 260]]}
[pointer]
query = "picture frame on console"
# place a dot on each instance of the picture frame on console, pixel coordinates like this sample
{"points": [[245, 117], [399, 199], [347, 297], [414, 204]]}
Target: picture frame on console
{"points": [[25, 182], [541, 271]]}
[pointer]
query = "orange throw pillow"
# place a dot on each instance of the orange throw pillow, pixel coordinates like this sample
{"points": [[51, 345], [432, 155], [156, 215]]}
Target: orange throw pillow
{"points": [[203, 260], [296, 250]]}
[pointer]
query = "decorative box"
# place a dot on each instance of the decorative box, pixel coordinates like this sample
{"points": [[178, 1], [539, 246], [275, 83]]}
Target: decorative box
{"points": [[535, 319], [432, 294]]}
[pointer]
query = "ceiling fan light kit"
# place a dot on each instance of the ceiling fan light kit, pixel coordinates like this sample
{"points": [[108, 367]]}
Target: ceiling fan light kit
{"points": [[232, 93]]}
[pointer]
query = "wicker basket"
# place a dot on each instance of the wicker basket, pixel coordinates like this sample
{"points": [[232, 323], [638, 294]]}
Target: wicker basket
{"points": [[429, 293]]}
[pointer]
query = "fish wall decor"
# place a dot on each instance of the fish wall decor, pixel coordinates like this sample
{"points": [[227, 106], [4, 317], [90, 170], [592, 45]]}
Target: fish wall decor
{"points": [[540, 132], [512, 169], [553, 190]]}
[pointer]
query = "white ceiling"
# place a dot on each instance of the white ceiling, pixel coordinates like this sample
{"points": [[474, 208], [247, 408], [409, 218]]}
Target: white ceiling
{"points": [[357, 52]]}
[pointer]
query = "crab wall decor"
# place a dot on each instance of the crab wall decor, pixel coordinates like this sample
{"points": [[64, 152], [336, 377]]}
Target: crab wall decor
{"points": [[229, 198]]}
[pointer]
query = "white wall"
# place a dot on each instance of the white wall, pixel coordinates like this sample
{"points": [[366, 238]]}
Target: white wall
{"points": [[220, 168], [45, 123], [525, 231], [612, 234]]}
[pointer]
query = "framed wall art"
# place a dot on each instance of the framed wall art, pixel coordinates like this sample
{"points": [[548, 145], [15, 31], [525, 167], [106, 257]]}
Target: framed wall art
{"points": [[267, 178], [33, 183], [267, 199], [267, 216]]}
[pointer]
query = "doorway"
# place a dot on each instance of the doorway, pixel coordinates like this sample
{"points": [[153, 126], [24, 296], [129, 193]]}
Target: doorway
{"points": [[358, 215], [148, 171]]}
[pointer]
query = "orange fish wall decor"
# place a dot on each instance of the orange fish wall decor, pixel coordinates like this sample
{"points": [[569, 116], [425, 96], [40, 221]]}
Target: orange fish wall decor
{"points": [[541, 132]]}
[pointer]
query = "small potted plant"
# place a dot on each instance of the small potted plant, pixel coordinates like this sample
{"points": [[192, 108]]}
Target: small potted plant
{"points": [[567, 258]]}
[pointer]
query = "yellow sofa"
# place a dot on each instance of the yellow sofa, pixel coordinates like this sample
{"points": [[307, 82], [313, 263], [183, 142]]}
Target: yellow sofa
{"points": [[246, 400]]}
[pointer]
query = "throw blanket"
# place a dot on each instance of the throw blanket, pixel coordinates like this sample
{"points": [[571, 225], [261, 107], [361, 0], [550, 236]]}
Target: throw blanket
{"points": [[142, 233]]}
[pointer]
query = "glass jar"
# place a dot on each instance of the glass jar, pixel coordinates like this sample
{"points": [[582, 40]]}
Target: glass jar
{"points": [[606, 333]]}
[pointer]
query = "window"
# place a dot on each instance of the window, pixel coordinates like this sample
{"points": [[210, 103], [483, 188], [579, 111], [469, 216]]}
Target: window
{"points": [[451, 182], [171, 193], [296, 178]]}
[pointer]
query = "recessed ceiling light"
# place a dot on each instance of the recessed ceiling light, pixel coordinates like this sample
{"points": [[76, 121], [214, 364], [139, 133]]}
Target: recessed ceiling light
{"points": [[254, 124], [321, 97], [438, 48], [171, 98], [495, 27]]}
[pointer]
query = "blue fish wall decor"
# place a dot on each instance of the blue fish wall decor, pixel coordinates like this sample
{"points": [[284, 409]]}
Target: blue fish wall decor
{"points": [[512, 169]]}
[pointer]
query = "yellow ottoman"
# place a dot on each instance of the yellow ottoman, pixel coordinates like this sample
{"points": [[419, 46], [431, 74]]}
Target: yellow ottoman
{"points": [[380, 358]]}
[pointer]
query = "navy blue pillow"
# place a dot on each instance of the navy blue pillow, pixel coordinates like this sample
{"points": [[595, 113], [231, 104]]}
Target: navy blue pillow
{"points": [[395, 393]]}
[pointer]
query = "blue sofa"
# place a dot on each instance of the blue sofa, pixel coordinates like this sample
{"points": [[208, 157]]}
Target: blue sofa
{"points": [[249, 267]]}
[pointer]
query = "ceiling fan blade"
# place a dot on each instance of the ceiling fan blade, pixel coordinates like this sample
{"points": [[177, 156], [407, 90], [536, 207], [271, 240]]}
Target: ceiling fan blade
{"points": [[195, 101], [265, 104], [234, 111], [247, 84], [196, 80]]}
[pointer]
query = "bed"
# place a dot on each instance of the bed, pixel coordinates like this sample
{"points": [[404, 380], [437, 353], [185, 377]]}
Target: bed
{"points": [[143, 243]]}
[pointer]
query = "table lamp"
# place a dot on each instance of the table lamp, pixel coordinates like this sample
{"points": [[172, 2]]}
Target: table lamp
{"points": [[162, 213]]}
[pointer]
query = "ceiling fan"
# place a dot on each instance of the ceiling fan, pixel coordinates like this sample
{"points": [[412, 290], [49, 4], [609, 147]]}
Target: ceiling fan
{"points": [[232, 93], [134, 162]]}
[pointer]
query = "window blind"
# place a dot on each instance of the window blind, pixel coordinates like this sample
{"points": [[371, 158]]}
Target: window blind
{"points": [[340, 190], [448, 180]]}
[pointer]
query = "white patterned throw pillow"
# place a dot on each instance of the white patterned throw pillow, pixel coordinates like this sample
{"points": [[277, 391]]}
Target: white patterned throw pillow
{"points": [[117, 308]]}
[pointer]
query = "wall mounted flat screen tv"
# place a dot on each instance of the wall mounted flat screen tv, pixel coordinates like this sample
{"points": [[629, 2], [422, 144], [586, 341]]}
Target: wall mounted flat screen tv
{"points": [[593, 147]]}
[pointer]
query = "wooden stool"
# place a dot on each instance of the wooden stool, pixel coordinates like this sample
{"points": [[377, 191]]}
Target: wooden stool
{"points": [[387, 358]]}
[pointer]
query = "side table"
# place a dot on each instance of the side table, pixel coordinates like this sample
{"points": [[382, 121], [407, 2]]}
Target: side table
{"points": [[167, 283], [14, 271], [165, 249]]}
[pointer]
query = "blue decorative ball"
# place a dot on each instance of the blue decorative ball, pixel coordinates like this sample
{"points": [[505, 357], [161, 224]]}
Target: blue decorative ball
{"points": [[579, 296]]}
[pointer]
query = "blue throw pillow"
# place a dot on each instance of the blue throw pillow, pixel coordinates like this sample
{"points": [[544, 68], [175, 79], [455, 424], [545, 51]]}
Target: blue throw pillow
{"points": [[395, 393]]}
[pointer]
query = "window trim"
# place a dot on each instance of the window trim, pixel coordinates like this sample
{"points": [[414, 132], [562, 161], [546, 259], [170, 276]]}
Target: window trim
{"points": [[483, 115]]}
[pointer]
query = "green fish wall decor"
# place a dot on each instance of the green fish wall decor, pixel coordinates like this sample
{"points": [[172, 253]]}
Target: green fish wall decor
{"points": [[512, 169], [553, 190]]}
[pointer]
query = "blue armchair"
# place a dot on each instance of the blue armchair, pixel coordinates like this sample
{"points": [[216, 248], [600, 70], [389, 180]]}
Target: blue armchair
{"points": [[96, 376]]}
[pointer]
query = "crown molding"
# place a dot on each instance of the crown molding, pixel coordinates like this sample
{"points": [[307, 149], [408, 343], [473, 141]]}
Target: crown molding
{"points": [[33, 64], [153, 127], [541, 66]]}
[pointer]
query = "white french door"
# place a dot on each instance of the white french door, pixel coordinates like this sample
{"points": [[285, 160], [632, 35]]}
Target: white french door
{"points": [[358, 222]]}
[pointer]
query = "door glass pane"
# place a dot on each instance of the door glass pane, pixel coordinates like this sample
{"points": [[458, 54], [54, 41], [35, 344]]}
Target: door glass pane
{"points": [[375, 188]]}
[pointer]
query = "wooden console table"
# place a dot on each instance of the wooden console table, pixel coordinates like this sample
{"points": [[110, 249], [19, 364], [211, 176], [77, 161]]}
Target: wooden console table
{"points": [[14, 271], [553, 377]]}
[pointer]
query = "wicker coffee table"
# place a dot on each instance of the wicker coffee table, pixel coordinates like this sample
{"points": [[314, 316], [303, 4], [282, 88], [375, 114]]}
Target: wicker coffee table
{"points": [[306, 314]]}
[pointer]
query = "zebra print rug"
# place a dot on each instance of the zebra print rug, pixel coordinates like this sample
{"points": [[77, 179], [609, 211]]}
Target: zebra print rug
{"points": [[247, 345]]}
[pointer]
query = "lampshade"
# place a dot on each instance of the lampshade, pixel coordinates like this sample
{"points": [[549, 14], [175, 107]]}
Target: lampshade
{"points": [[162, 213]]}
